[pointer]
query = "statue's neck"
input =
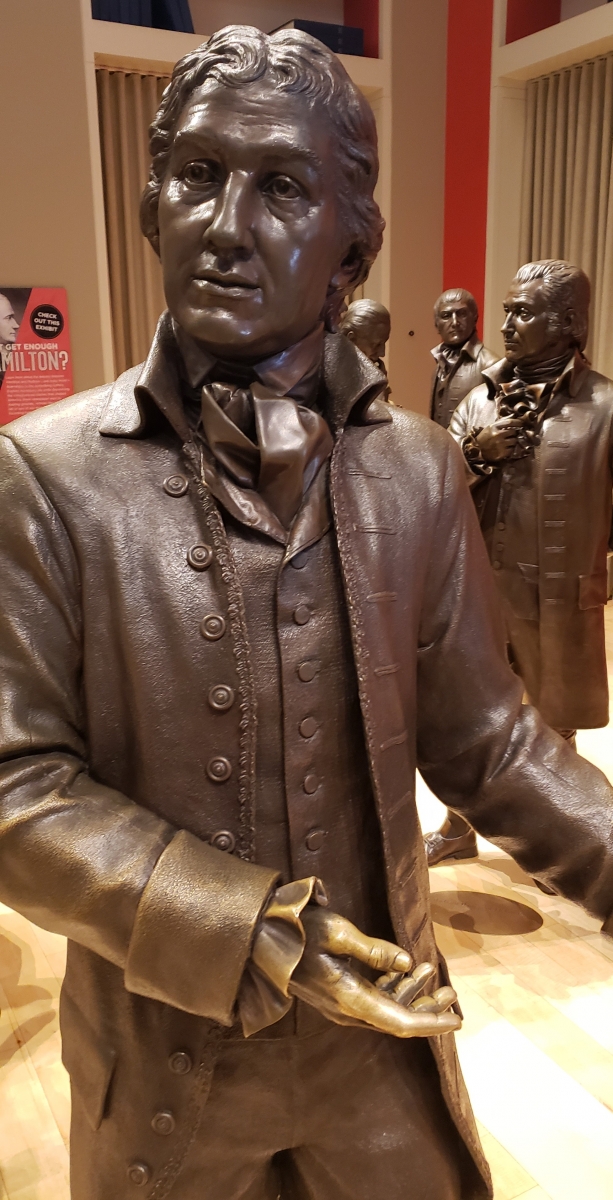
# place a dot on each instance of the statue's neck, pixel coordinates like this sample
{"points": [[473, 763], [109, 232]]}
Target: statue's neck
{"points": [[543, 372]]}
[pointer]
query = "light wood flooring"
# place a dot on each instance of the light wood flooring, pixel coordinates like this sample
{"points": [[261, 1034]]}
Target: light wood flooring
{"points": [[535, 980]]}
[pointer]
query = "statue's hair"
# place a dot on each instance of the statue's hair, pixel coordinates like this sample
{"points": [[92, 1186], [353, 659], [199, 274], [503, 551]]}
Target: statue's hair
{"points": [[295, 63], [460, 296], [361, 312], [565, 287]]}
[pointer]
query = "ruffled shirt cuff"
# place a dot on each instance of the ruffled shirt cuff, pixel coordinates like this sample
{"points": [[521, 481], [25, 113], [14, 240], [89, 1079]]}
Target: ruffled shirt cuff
{"points": [[263, 997]]}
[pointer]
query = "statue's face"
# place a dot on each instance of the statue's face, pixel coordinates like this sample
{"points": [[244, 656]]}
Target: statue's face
{"points": [[455, 322], [533, 332], [371, 338], [250, 235], [8, 322]]}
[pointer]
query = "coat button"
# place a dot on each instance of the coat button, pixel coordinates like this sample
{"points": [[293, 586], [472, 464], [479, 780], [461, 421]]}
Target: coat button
{"points": [[223, 840], [163, 1123], [176, 485], [219, 769], [497, 565], [180, 1063], [308, 727], [310, 784], [200, 557], [307, 671], [302, 614], [299, 560], [221, 697], [315, 839], [501, 525], [139, 1173], [212, 627]]}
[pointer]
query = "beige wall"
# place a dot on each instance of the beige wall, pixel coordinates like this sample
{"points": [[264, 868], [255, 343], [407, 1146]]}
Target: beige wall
{"points": [[49, 224], [418, 52]]}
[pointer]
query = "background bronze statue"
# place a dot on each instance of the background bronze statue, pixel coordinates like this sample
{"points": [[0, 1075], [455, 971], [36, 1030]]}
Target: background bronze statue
{"points": [[239, 596], [367, 324], [537, 440], [460, 355]]}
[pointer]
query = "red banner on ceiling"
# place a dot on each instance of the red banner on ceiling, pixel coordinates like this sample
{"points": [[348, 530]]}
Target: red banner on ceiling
{"points": [[35, 358]]}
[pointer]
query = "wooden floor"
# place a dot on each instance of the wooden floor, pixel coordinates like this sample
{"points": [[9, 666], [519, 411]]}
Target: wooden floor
{"points": [[535, 979]]}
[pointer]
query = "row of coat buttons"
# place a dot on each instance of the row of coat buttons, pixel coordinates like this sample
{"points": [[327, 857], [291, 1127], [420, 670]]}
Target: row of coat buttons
{"points": [[163, 1123], [308, 727]]}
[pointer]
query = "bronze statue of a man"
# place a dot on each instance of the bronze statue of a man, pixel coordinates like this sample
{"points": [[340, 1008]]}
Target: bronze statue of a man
{"points": [[368, 325], [460, 356], [538, 443], [241, 598]]}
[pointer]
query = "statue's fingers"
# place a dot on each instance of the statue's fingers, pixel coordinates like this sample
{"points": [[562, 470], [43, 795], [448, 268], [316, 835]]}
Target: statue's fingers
{"points": [[345, 939], [380, 1012], [409, 986]]}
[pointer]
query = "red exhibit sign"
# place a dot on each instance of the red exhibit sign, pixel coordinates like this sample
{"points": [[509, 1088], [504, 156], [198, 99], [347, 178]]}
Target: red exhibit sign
{"points": [[35, 358]]}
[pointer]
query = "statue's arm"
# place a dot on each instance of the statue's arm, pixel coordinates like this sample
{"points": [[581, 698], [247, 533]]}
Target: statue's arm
{"points": [[483, 752], [76, 857]]}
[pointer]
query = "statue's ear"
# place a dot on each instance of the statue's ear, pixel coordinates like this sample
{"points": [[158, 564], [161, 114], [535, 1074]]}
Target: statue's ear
{"points": [[149, 216]]}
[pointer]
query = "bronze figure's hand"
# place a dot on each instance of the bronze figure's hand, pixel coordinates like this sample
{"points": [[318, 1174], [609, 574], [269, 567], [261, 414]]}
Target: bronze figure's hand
{"points": [[497, 442], [326, 979]]}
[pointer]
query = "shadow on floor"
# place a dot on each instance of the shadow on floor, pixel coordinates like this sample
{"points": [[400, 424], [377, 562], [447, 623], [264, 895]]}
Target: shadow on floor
{"points": [[478, 912]]}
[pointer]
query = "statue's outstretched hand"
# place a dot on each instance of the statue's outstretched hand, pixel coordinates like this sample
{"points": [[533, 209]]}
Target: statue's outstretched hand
{"points": [[326, 979]]}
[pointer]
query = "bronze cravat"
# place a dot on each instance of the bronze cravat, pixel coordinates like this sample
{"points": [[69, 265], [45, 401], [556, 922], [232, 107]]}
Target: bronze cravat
{"points": [[292, 442]]}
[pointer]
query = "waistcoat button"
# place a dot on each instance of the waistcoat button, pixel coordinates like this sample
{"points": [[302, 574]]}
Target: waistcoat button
{"points": [[497, 565], [302, 614], [180, 1063], [315, 839], [501, 525], [308, 727], [212, 627], [221, 697], [175, 485], [307, 671], [139, 1173], [200, 557], [223, 840], [163, 1123], [219, 769], [310, 784]]}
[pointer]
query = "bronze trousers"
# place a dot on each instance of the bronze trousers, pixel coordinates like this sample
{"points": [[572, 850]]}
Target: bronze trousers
{"points": [[342, 1115]]}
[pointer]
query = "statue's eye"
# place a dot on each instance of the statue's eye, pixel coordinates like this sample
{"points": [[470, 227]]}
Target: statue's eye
{"points": [[281, 187], [198, 173]]}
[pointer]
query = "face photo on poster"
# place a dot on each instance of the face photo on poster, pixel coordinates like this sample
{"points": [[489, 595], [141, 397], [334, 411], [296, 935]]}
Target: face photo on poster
{"points": [[35, 356]]}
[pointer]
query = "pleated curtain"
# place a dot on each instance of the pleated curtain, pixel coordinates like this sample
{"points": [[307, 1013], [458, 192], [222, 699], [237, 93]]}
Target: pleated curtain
{"points": [[127, 103], [567, 197]]}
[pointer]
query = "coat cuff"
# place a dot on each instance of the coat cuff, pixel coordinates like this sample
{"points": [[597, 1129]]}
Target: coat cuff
{"points": [[194, 928]]}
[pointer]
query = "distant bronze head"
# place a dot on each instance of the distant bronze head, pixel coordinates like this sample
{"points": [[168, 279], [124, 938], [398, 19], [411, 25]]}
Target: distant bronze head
{"points": [[455, 316], [547, 311], [367, 324], [260, 201]]}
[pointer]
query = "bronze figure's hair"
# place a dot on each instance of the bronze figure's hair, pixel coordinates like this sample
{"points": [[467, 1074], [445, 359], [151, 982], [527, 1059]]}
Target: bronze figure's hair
{"points": [[292, 62], [566, 287], [459, 296], [361, 312]]}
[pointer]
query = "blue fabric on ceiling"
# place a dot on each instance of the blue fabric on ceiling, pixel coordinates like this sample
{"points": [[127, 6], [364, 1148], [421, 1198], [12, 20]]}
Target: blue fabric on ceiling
{"points": [[157, 14]]}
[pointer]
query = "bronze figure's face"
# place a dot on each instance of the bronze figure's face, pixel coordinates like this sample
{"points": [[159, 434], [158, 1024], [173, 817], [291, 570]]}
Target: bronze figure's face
{"points": [[367, 324], [534, 330], [455, 318], [249, 230]]}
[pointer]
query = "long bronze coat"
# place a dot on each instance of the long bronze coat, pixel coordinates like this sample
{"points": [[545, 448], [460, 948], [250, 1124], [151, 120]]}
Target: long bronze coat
{"points": [[106, 735], [463, 377], [546, 519]]}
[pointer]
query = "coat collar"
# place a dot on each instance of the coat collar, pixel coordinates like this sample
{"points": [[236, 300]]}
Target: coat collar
{"points": [[471, 349], [572, 376], [352, 385]]}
